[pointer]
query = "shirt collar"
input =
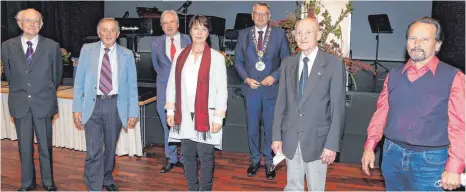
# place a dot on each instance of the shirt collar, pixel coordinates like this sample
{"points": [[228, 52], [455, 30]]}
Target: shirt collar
{"points": [[257, 29], [176, 37], [432, 65], [311, 56], [102, 46], [34, 40]]}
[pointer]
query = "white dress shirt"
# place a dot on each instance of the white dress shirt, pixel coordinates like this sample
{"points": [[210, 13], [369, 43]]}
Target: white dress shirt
{"points": [[34, 42], [310, 63], [113, 63], [263, 34], [168, 44]]}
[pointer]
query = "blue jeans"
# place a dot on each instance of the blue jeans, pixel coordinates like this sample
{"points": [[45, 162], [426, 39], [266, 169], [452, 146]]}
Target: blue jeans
{"points": [[405, 170]]}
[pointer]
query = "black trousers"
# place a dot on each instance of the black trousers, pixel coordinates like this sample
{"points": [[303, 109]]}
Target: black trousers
{"points": [[205, 152]]}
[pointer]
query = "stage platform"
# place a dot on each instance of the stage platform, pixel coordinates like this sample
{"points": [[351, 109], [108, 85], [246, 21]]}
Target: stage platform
{"points": [[142, 174]]}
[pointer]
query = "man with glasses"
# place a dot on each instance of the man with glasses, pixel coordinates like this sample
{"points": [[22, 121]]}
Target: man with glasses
{"points": [[33, 69], [310, 110], [258, 54], [163, 53]]}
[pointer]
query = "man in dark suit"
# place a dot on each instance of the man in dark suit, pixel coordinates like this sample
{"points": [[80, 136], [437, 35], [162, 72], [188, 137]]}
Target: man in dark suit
{"points": [[310, 110], [163, 52], [258, 54], [33, 69]]}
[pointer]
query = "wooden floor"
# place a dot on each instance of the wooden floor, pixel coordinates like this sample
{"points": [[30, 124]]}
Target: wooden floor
{"points": [[142, 174]]}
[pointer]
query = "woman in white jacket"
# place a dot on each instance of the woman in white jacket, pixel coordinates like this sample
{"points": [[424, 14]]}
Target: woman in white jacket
{"points": [[196, 104]]}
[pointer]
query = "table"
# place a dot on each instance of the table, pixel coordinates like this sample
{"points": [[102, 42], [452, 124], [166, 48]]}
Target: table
{"points": [[66, 135]]}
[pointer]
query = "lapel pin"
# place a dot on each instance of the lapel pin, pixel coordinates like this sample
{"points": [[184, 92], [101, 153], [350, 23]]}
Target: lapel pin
{"points": [[318, 73]]}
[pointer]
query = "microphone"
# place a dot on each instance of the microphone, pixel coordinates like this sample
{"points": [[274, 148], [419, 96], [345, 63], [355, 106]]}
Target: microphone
{"points": [[185, 5], [126, 14]]}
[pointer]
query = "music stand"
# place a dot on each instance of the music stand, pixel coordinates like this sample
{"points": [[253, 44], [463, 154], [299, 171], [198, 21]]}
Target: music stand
{"points": [[379, 24]]}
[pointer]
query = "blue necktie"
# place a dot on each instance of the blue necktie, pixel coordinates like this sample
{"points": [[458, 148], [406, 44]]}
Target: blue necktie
{"points": [[303, 79], [29, 53]]}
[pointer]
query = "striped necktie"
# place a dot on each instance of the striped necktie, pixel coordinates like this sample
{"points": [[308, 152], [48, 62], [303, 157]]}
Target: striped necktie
{"points": [[29, 53], [106, 74]]}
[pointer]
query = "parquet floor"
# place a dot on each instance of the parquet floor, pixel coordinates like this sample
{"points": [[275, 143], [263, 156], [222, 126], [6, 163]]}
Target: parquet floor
{"points": [[142, 174]]}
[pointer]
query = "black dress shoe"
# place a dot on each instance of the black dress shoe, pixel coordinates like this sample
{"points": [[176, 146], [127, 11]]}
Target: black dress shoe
{"points": [[252, 169], [112, 187], [269, 172], [167, 167], [50, 188], [179, 164], [30, 188]]}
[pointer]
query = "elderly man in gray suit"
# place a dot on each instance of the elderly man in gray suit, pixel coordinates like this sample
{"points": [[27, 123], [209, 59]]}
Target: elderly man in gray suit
{"points": [[33, 69], [309, 111], [163, 52]]}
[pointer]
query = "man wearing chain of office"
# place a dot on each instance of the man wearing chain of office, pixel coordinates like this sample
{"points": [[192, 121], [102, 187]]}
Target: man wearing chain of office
{"points": [[258, 55]]}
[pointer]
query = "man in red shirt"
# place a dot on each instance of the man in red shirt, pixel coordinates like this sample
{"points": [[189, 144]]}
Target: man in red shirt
{"points": [[420, 112]]}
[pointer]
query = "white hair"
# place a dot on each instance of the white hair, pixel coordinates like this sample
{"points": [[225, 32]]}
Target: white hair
{"points": [[169, 11], [19, 15], [108, 19]]}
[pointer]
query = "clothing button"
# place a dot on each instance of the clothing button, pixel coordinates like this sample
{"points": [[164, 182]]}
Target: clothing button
{"points": [[301, 115], [29, 96], [27, 72], [95, 87], [29, 84]]}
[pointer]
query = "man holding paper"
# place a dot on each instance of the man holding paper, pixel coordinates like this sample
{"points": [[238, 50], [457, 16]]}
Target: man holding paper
{"points": [[310, 110]]}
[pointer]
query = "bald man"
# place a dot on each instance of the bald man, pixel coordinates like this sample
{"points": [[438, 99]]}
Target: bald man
{"points": [[309, 111], [33, 69]]}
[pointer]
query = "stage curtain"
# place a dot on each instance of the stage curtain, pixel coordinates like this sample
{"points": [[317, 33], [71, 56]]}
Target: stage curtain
{"points": [[67, 22], [451, 16]]}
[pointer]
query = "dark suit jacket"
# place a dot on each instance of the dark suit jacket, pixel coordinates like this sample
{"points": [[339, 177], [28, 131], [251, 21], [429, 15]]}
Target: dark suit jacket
{"points": [[246, 58], [316, 121], [32, 86]]}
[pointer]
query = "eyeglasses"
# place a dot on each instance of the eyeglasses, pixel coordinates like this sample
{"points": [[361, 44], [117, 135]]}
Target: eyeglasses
{"points": [[261, 14], [33, 21], [304, 33]]}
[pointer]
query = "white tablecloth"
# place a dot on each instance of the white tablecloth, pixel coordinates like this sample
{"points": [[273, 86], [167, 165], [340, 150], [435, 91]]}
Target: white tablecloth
{"points": [[67, 136]]}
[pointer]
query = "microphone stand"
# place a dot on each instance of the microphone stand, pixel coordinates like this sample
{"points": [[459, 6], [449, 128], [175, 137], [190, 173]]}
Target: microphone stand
{"points": [[185, 13]]}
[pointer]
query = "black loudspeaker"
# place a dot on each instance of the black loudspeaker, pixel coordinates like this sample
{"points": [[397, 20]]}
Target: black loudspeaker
{"points": [[243, 20], [360, 106], [235, 133]]}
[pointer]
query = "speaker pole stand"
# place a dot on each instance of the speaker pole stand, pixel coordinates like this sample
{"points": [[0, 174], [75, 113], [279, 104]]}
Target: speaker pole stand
{"points": [[376, 62]]}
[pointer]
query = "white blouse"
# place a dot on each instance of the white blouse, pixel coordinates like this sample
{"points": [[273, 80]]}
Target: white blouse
{"points": [[217, 102]]}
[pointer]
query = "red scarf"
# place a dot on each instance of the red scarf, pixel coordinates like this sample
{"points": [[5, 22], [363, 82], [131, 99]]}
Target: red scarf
{"points": [[201, 122]]}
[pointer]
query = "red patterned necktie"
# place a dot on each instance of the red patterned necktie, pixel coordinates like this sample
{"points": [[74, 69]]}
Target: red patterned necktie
{"points": [[106, 74], [259, 46], [172, 49]]}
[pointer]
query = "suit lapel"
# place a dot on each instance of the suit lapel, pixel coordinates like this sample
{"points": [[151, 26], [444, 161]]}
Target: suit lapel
{"points": [[162, 49], [39, 50], [316, 73], [95, 54], [269, 43], [120, 61], [251, 41], [183, 41], [293, 73], [18, 47]]}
